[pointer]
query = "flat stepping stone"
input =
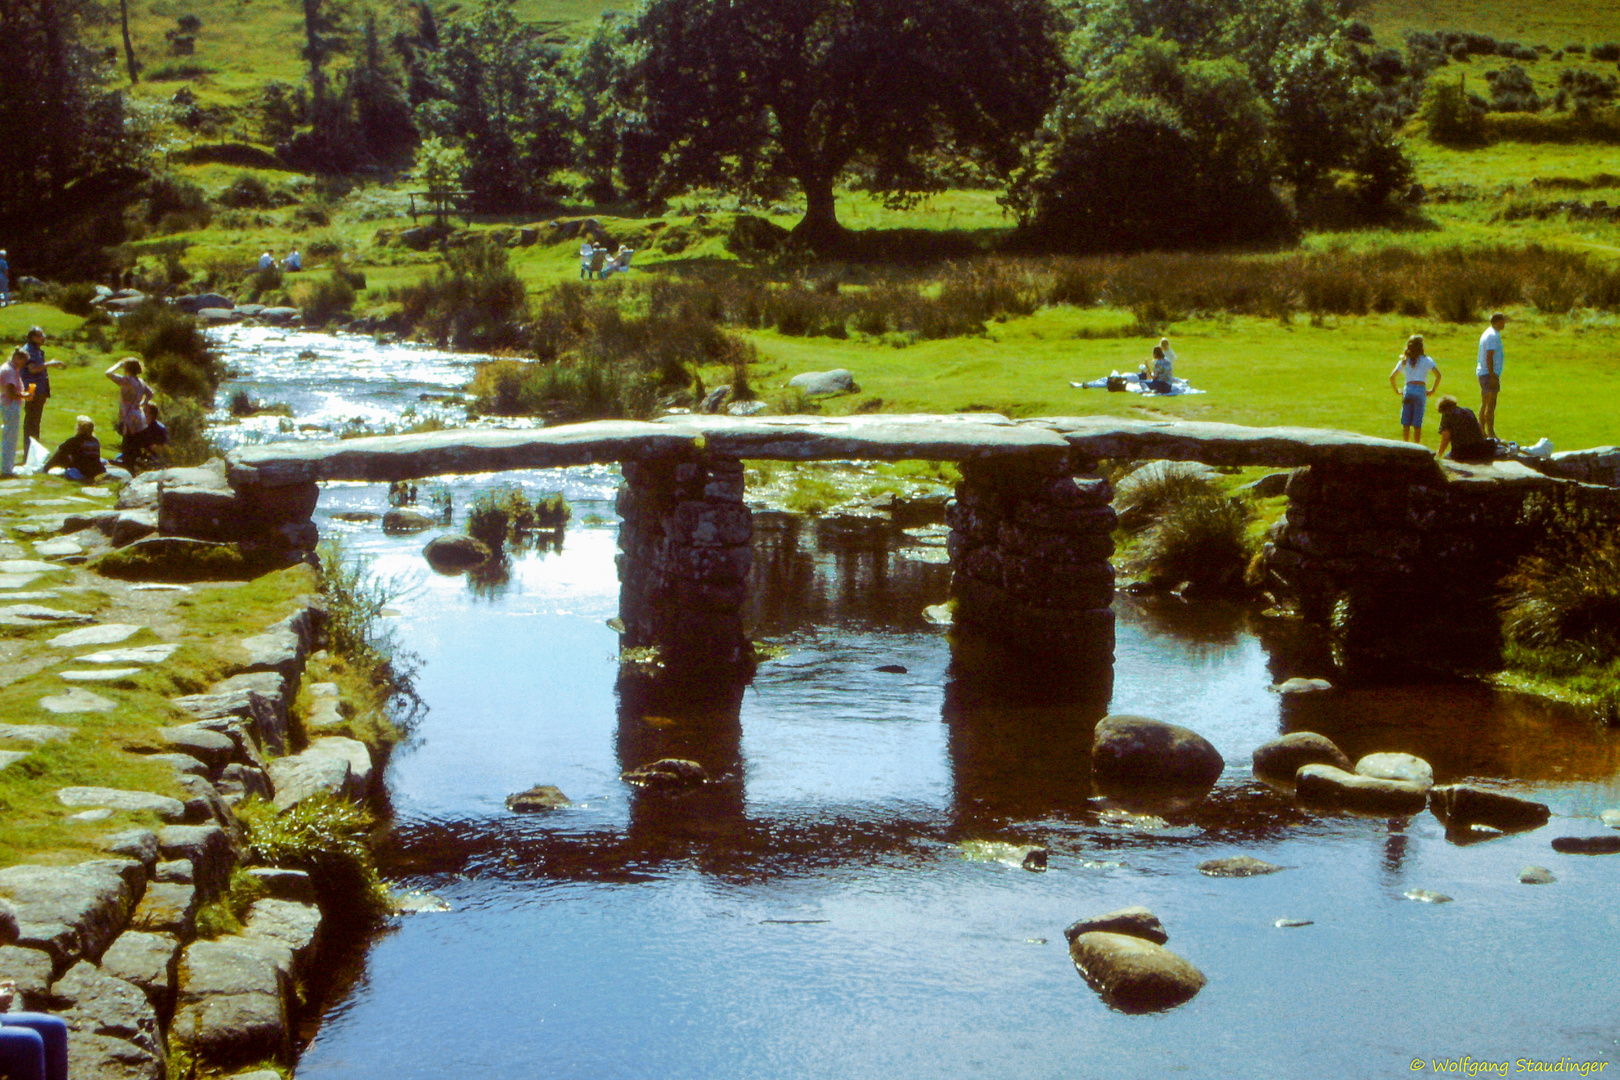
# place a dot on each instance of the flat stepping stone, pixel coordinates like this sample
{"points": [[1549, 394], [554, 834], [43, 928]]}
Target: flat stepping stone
{"points": [[17, 581], [56, 549], [11, 757], [41, 594], [104, 634], [27, 566], [77, 700], [1283, 924], [118, 799], [15, 485], [103, 675], [96, 492], [35, 615], [155, 586], [34, 733], [139, 654]]}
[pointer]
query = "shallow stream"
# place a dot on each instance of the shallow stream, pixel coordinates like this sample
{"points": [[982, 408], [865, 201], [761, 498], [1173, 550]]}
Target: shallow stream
{"points": [[848, 902]]}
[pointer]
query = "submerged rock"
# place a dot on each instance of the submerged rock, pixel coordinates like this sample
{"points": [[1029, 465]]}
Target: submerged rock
{"points": [[1393, 766], [1285, 923], [1136, 922], [1323, 785], [407, 521], [538, 798], [667, 773], [1133, 974], [1470, 804], [1238, 866], [1280, 759], [1426, 896], [1536, 875], [1304, 686]]}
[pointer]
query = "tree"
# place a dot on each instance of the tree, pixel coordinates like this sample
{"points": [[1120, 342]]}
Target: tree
{"points": [[745, 94], [498, 93], [1152, 151], [62, 136]]}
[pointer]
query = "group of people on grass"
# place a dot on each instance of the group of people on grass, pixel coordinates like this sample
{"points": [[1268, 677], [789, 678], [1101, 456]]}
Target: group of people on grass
{"points": [[25, 387], [293, 261], [598, 263], [1468, 437]]}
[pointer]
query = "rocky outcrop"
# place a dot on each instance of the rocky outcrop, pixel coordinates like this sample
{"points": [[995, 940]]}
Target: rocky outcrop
{"points": [[113, 1029], [667, 774], [1279, 759], [455, 554], [538, 798], [1133, 974], [234, 1001], [332, 765], [1331, 788]]}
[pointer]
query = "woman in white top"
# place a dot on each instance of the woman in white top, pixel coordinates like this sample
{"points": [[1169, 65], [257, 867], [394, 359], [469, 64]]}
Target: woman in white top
{"points": [[587, 252], [133, 394], [1410, 380]]}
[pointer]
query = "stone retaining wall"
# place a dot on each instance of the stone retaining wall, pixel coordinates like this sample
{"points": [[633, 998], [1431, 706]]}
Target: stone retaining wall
{"points": [[110, 944], [1412, 557], [1030, 544]]}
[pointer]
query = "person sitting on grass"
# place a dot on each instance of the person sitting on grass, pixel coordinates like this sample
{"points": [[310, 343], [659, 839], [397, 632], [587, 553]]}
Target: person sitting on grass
{"points": [[79, 457], [1460, 431], [146, 443], [1158, 378]]}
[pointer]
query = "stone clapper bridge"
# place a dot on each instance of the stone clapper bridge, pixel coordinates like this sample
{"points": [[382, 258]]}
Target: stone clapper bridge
{"points": [[1371, 522]]}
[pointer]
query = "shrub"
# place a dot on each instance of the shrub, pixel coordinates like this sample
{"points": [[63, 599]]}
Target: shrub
{"points": [[326, 837], [1567, 596], [180, 360], [1141, 496], [507, 516], [1201, 539], [475, 301], [1451, 117], [325, 299], [186, 562], [1609, 50], [246, 192], [77, 299]]}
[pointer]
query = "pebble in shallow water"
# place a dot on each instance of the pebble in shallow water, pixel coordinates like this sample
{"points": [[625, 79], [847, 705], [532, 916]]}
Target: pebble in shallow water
{"points": [[1238, 866], [1536, 875], [1425, 896], [1281, 923]]}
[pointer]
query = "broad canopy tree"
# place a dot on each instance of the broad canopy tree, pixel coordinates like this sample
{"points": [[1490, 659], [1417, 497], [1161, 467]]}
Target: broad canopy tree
{"points": [[745, 94]]}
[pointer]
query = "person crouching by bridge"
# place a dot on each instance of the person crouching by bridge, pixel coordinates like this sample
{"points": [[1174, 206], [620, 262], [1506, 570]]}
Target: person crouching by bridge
{"points": [[79, 457], [1460, 430], [1410, 380]]}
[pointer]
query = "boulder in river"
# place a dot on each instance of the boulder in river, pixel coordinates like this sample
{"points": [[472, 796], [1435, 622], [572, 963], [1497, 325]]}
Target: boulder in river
{"points": [[407, 521], [1279, 759], [1460, 805], [1323, 785], [1392, 766], [455, 554], [667, 774], [1302, 687], [538, 798], [1587, 845], [1133, 974], [1238, 866], [1536, 875], [1129, 753], [1132, 921]]}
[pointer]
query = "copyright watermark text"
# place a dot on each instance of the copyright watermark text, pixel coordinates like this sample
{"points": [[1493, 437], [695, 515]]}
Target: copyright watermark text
{"points": [[1468, 1066]]}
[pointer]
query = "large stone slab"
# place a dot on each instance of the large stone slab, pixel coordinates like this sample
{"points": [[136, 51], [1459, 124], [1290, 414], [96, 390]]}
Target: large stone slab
{"points": [[294, 925], [139, 654], [104, 634], [34, 733], [876, 437], [76, 700], [169, 907], [210, 849], [72, 912], [113, 1029], [31, 970], [115, 799], [233, 1000], [145, 960], [99, 675], [1230, 444], [1326, 786], [333, 765]]}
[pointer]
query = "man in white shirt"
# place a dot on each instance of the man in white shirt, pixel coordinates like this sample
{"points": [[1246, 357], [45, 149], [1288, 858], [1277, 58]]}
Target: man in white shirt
{"points": [[1489, 370]]}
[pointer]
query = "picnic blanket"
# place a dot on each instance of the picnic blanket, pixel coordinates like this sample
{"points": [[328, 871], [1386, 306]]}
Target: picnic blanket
{"points": [[1134, 385]]}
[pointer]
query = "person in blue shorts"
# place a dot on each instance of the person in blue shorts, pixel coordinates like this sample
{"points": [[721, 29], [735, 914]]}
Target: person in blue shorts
{"points": [[1410, 380]]}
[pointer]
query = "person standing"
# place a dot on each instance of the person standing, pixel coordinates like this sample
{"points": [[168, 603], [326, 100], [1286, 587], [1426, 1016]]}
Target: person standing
{"points": [[5, 279], [36, 373], [587, 252], [133, 394], [1410, 380], [1489, 370], [12, 396]]}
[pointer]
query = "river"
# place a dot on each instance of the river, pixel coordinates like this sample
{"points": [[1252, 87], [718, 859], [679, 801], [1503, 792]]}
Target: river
{"points": [[847, 901]]}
